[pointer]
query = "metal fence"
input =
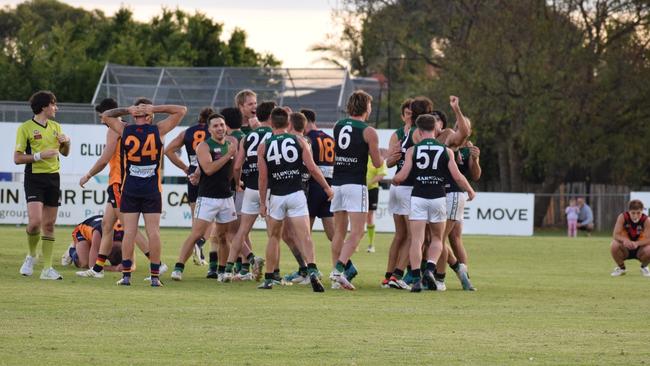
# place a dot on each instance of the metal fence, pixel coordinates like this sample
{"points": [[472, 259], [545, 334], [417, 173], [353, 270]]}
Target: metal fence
{"points": [[606, 202], [323, 90]]}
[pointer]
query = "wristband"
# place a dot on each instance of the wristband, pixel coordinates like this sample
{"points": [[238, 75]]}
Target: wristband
{"points": [[37, 156]]}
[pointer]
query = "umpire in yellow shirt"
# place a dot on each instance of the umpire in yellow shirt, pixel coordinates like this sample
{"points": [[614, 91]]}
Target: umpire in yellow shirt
{"points": [[373, 177], [39, 141]]}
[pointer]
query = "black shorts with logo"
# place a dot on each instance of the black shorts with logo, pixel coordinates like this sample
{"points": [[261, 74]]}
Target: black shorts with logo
{"points": [[43, 187], [373, 199], [114, 195], [317, 202], [148, 204]]}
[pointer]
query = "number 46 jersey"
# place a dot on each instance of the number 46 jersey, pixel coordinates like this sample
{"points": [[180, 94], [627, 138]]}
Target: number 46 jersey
{"points": [[351, 153], [430, 169], [142, 149]]}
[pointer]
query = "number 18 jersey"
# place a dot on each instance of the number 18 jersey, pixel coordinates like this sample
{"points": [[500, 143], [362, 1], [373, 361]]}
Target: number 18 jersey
{"points": [[143, 150], [351, 153], [430, 169], [322, 149]]}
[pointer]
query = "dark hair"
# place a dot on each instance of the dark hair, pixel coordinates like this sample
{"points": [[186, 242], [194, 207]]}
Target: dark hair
{"points": [[105, 105], [40, 100], [205, 114], [215, 115], [405, 104], [142, 100], [279, 118], [358, 103], [420, 106], [263, 110], [442, 116], [635, 205], [309, 114], [298, 121], [232, 117], [425, 122]]}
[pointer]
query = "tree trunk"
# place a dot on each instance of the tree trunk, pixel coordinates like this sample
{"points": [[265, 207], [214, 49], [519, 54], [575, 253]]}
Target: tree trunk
{"points": [[549, 186], [516, 184], [504, 170]]}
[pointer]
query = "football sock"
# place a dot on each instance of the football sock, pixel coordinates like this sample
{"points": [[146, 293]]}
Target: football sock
{"points": [[48, 248], [32, 243], [348, 265], [229, 266], [398, 273], [312, 269], [340, 267], [221, 269], [431, 266], [100, 262], [179, 267], [371, 235], [387, 275], [415, 273], [303, 271], [245, 268], [455, 266], [155, 269], [213, 261], [126, 268]]}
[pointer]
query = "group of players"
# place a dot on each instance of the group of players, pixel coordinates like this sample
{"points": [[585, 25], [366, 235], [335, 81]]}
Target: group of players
{"points": [[266, 160]]}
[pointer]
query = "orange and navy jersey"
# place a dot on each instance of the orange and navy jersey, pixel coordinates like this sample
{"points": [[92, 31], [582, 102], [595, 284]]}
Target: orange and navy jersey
{"points": [[142, 151], [84, 231], [115, 166], [322, 149], [191, 139], [633, 230]]}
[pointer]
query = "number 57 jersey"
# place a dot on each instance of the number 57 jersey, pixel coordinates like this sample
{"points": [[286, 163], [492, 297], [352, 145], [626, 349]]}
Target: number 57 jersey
{"points": [[142, 149], [430, 169]]}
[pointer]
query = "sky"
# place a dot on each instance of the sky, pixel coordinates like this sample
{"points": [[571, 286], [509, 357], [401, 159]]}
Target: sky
{"points": [[304, 22]]}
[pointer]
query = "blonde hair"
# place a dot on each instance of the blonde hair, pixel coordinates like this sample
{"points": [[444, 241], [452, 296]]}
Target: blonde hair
{"points": [[240, 98]]}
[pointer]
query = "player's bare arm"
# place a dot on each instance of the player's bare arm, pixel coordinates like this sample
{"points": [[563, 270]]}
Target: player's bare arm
{"points": [[64, 144], [240, 157], [474, 164], [172, 148], [208, 165], [262, 180], [176, 114], [22, 158], [371, 137], [104, 158], [406, 169], [619, 230], [456, 138], [394, 151], [315, 172], [112, 119], [459, 177]]}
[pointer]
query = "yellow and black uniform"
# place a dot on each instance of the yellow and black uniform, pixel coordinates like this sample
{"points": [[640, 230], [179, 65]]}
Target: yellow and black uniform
{"points": [[42, 182], [373, 189], [142, 183]]}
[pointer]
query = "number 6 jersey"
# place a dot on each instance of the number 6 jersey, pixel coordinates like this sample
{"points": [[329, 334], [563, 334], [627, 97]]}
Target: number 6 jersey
{"points": [[351, 153], [142, 149]]}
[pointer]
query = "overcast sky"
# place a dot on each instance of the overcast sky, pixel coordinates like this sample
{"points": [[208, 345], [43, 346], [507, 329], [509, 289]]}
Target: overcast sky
{"points": [[285, 28]]}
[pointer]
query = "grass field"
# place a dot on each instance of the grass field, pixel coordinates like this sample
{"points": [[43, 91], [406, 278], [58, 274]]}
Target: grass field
{"points": [[542, 301]]}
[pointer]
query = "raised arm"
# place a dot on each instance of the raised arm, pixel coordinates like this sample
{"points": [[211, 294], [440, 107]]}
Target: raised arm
{"points": [[463, 131], [474, 164], [176, 114], [371, 137], [170, 151], [112, 119], [406, 168], [262, 180], [111, 145], [208, 165], [458, 176]]}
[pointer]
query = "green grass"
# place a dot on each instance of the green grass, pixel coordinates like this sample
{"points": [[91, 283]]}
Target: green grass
{"points": [[541, 301]]}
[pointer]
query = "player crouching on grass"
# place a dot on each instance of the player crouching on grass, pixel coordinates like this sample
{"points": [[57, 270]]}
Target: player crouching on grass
{"points": [[631, 239], [431, 162], [87, 237]]}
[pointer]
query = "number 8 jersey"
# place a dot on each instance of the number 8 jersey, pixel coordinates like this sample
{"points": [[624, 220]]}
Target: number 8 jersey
{"points": [[351, 153], [142, 149], [430, 169]]}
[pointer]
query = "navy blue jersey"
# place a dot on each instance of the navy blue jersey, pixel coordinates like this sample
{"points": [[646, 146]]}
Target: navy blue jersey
{"points": [[143, 150], [191, 139], [430, 168], [322, 149]]}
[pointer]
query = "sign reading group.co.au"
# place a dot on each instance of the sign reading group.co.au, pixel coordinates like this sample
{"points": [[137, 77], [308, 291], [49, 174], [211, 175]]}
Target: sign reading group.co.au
{"points": [[488, 213]]}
